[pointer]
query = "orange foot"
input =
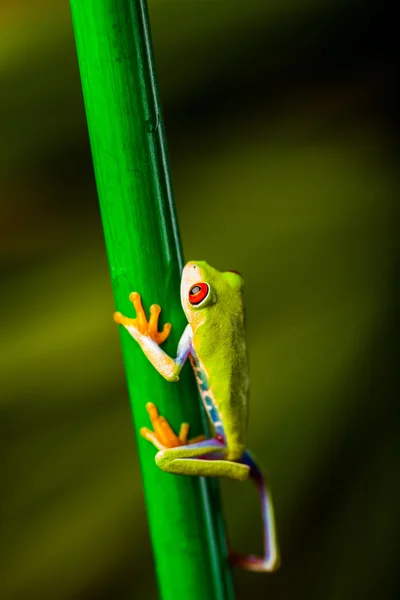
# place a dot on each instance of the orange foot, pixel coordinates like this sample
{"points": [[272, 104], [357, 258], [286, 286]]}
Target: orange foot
{"points": [[145, 327], [162, 435]]}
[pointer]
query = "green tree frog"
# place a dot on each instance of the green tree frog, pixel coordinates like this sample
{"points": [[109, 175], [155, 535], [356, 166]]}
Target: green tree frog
{"points": [[214, 341]]}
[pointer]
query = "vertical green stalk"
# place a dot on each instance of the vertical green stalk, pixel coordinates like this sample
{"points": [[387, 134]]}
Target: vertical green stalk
{"points": [[130, 161]]}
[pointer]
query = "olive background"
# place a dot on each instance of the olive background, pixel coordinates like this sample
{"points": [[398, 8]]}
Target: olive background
{"points": [[283, 135]]}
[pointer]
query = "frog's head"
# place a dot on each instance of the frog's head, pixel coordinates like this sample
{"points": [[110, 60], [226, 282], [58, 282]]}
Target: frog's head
{"points": [[203, 288]]}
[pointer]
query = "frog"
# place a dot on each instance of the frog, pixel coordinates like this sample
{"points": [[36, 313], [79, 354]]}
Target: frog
{"points": [[214, 341]]}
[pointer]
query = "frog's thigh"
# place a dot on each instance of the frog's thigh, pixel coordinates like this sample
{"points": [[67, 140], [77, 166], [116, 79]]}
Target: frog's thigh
{"points": [[185, 460]]}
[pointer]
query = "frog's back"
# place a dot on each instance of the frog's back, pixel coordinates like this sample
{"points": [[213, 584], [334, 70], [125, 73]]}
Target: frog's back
{"points": [[220, 351]]}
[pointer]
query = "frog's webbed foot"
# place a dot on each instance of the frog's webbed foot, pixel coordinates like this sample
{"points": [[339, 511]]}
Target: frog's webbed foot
{"points": [[141, 324], [163, 435]]}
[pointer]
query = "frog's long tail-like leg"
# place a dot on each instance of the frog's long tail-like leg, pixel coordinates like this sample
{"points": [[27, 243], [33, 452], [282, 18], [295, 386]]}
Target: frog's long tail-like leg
{"points": [[270, 561], [201, 459]]}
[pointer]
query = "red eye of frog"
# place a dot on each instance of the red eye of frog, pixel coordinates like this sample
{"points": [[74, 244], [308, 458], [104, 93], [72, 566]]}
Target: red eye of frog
{"points": [[198, 292]]}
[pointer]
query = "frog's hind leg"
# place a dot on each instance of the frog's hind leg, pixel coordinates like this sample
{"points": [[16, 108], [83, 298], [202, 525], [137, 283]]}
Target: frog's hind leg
{"points": [[198, 457], [270, 561], [201, 459]]}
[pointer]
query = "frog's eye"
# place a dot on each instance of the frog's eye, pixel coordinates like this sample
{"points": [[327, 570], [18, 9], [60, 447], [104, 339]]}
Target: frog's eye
{"points": [[198, 292]]}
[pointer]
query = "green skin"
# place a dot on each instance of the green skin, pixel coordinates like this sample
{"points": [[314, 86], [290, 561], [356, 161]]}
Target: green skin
{"points": [[215, 342], [218, 317], [219, 344]]}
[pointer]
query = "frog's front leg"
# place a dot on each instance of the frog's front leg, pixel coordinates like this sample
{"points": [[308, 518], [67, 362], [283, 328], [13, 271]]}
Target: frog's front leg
{"points": [[148, 337], [199, 457]]}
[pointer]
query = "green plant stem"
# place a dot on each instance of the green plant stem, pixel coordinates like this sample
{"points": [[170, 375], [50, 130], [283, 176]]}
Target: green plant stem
{"points": [[142, 241]]}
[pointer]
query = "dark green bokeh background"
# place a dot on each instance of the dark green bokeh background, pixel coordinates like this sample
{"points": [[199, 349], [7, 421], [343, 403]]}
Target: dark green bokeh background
{"points": [[282, 132]]}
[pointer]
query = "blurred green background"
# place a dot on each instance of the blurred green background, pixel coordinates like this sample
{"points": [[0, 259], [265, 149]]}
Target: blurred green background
{"points": [[282, 131]]}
